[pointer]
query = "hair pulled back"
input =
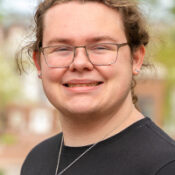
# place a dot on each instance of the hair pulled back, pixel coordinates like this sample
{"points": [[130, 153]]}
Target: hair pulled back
{"points": [[133, 20]]}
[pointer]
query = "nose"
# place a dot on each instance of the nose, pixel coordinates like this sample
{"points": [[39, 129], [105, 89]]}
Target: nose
{"points": [[81, 61]]}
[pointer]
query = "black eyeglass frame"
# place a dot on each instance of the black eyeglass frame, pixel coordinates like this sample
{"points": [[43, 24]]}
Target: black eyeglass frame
{"points": [[74, 49]]}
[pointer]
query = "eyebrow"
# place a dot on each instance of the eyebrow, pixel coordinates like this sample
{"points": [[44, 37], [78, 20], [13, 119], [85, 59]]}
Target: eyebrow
{"points": [[59, 40], [101, 38], [89, 40]]}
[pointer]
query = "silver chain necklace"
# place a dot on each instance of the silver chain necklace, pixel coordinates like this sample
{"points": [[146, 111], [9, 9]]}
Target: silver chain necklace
{"points": [[86, 151], [81, 155]]}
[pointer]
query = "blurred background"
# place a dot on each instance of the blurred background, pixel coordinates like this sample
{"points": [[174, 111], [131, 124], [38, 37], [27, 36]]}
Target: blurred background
{"points": [[26, 117]]}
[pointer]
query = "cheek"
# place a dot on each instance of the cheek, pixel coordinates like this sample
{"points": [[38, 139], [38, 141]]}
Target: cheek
{"points": [[51, 74], [122, 69]]}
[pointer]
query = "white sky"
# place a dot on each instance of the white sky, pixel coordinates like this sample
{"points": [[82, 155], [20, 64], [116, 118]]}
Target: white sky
{"points": [[21, 6], [28, 6]]}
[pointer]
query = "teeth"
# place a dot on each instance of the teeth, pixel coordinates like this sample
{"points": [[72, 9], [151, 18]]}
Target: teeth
{"points": [[82, 85]]}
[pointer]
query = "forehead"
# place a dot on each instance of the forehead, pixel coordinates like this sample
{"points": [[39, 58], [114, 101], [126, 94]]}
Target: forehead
{"points": [[76, 19]]}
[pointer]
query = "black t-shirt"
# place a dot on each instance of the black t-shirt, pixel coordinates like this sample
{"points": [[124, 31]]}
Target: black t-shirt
{"points": [[140, 149]]}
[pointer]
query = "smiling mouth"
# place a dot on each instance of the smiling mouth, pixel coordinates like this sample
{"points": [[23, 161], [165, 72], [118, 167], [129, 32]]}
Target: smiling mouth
{"points": [[71, 85]]}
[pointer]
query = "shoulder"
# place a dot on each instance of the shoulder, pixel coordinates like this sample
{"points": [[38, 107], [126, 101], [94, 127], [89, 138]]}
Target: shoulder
{"points": [[43, 153], [167, 169], [148, 133], [47, 146], [157, 148], [158, 139]]}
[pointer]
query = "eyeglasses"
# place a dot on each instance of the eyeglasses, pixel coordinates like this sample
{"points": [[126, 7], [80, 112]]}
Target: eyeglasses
{"points": [[100, 54]]}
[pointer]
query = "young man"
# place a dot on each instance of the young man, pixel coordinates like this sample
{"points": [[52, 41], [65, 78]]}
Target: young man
{"points": [[87, 54]]}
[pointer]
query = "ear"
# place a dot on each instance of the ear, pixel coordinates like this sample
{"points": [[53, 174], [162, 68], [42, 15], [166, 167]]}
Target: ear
{"points": [[138, 57], [36, 60]]}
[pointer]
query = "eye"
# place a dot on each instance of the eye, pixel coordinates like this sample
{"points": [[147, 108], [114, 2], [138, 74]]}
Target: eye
{"points": [[61, 49], [100, 47]]}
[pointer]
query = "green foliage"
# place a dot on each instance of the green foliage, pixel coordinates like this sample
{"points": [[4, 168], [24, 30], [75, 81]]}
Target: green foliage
{"points": [[2, 172], [153, 2], [7, 139], [165, 52], [172, 8], [9, 85]]}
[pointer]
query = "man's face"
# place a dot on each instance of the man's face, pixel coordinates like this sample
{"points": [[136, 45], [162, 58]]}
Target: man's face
{"points": [[80, 24]]}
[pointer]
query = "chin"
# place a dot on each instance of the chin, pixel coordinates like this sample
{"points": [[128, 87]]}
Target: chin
{"points": [[81, 109], [78, 110]]}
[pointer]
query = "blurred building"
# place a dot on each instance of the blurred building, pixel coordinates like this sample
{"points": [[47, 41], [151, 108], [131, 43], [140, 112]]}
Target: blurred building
{"points": [[32, 119], [151, 92]]}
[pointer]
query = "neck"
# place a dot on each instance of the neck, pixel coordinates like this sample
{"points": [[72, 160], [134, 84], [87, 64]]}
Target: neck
{"points": [[86, 130]]}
